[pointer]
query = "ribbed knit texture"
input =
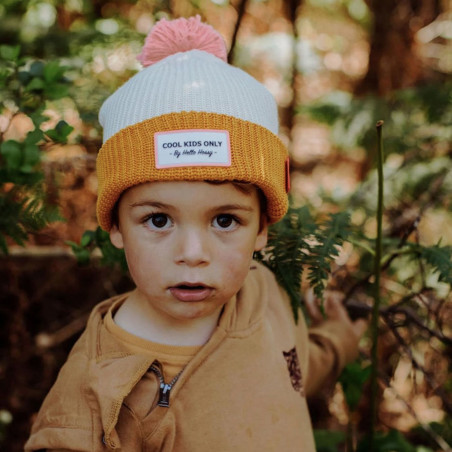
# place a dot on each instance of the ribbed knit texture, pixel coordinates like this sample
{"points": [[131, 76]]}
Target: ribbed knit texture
{"points": [[189, 81], [128, 159]]}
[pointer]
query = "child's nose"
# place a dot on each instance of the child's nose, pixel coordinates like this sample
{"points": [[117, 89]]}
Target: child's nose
{"points": [[192, 248]]}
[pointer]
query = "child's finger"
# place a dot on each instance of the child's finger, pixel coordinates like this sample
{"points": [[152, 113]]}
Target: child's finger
{"points": [[312, 306], [334, 308]]}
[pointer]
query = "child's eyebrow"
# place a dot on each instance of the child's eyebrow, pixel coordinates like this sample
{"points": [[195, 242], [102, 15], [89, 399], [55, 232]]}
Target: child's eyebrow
{"points": [[234, 207], [219, 208], [159, 205]]}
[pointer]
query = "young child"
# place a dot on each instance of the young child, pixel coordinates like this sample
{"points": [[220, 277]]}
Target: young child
{"points": [[204, 355]]}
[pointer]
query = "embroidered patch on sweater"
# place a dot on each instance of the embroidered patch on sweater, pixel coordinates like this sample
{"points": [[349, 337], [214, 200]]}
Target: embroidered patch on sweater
{"points": [[293, 365]]}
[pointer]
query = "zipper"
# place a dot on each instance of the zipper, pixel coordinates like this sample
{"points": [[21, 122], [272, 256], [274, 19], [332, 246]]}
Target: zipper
{"points": [[165, 388]]}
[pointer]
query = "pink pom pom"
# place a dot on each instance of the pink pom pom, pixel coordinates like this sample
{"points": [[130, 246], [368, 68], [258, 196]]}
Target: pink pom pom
{"points": [[181, 35]]}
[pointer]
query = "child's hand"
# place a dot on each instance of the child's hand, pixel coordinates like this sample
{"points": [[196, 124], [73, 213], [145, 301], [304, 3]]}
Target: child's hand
{"points": [[334, 310]]}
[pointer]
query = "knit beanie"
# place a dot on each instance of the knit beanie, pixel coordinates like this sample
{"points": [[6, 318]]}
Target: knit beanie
{"points": [[190, 116]]}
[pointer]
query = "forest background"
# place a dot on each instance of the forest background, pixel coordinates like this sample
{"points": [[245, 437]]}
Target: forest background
{"points": [[336, 67]]}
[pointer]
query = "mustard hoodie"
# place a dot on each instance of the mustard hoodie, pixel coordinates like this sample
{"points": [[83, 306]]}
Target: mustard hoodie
{"points": [[245, 390]]}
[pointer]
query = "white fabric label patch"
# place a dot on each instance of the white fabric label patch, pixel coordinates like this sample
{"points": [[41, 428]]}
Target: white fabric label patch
{"points": [[198, 147]]}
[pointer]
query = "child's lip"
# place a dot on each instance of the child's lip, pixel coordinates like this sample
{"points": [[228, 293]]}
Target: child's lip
{"points": [[191, 291]]}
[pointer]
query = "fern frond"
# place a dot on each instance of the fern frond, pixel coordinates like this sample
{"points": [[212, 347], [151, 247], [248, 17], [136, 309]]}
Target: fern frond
{"points": [[22, 216], [329, 237], [10, 225], [36, 215], [286, 251], [439, 258], [297, 240]]}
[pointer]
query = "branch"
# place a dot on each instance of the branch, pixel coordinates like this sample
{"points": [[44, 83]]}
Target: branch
{"points": [[362, 310], [376, 289], [428, 377], [240, 14], [293, 7], [414, 318], [432, 192], [49, 340], [384, 378]]}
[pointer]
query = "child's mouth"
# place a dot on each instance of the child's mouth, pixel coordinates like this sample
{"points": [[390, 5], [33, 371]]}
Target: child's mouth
{"points": [[191, 292]]}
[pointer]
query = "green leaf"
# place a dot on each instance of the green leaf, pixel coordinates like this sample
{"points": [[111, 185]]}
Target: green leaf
{"points": [[24, 77], [297, 240], [393, 441], [440, 259], [352, 379], [24, 211], [60, 132], [328, 440], [53, 72], [329, 237], [37, 69], [35, 136], [36, 84], [329, 109], [38, 118], [4, 76], [31, 156], [100, 239], [56, 91], [110, 254], [11, 151], [286, 249], [82, 255], [87, 238], [10, 53]]}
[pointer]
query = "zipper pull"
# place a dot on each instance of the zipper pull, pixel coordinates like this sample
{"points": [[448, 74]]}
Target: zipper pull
{"points": [[164, 395], [164, 388]]}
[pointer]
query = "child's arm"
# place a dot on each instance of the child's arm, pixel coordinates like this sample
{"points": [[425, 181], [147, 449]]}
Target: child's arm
{"points": [[333, 340]]}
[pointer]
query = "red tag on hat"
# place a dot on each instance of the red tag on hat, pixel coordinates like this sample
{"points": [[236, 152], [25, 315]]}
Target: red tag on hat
{"points": [[287, 175]]}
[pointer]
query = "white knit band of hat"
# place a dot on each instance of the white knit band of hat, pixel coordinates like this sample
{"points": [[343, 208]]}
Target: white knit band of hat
{"points": [[189, 81]]}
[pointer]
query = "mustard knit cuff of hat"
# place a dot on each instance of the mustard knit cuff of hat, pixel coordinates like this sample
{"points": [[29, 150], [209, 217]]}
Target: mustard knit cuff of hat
{"points": [[128, 158]]}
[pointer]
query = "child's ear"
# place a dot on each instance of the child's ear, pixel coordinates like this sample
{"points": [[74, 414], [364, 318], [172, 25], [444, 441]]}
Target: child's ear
{"points": [[262, 235], [116, 237]]}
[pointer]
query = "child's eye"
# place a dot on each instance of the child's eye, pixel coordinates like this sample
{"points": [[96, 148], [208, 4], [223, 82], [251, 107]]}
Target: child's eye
{"points": [[159, 221], [225, 221]]}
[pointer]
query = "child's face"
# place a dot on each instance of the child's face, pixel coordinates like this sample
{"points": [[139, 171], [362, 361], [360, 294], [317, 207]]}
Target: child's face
{"points": [[188, 245]]}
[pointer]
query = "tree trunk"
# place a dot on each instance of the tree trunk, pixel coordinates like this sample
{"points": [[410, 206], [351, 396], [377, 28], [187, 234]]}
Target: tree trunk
{"points": [[394, 60]]}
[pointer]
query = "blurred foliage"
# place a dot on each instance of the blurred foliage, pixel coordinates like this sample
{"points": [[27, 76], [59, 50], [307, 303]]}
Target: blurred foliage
{"points": [[393, 441], [328, 440], [25, 87], [418, 180], [418, 173], [417, 120], [418, 435], [94, 241], [352, 379]]}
